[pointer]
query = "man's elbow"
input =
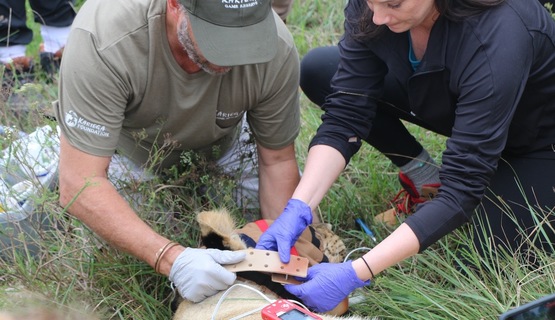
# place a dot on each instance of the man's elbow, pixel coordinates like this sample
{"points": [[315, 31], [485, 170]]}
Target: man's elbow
{"points": [[271, 157], [70, 186], [66, 195]]}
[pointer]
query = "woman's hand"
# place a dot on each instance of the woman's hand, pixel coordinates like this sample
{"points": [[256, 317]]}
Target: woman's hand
{"points": [[286, 229], [327, 285]]}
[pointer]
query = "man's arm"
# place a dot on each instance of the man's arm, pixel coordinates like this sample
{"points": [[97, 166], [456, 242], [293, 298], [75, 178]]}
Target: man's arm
{"points": [[88, 195], [278, 178]]}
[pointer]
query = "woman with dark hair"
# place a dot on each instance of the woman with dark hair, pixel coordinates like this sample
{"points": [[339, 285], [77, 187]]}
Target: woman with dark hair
{"points": [[481, 72]]}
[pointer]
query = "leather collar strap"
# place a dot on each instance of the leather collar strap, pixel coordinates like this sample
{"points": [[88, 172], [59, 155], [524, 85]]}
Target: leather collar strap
{"points": [[268, 261]]}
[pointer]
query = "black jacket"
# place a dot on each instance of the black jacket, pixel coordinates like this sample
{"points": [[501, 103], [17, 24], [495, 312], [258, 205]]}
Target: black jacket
{"points": [[487, 82]]}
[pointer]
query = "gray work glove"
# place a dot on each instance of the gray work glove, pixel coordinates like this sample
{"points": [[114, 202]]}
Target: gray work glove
{"points": [[198, 274]]}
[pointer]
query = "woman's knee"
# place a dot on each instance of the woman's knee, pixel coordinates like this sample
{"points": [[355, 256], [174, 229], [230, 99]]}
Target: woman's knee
{"points": [[317, 68]]}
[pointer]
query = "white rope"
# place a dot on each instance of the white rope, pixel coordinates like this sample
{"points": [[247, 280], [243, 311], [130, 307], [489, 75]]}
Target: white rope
{"points": [[222, 298], [355, 250]]}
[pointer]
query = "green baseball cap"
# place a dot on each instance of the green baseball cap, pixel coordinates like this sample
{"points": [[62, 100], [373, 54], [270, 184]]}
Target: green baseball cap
{"points": [[233, 32]]}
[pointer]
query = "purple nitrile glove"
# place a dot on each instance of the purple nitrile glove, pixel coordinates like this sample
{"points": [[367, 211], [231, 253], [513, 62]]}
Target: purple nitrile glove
{"points": [[328, 284], [287, 228]]}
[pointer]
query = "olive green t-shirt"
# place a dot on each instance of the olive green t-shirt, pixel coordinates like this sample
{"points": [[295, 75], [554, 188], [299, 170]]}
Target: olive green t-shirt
{"points": [[121, 89]]}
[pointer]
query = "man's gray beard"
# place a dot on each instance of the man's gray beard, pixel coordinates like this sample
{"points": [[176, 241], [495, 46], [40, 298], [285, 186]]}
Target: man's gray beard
{"points": [[188, 46]]}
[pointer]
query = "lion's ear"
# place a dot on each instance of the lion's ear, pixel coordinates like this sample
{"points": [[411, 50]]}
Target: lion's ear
{"points": [[217, 229]]}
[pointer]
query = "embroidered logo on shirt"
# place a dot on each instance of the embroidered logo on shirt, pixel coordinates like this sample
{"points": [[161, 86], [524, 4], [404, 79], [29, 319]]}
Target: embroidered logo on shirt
{"points": [[220, 115], [74, 121]]}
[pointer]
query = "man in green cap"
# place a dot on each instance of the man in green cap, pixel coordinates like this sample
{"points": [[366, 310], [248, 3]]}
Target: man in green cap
{"points": [[203, 74]]}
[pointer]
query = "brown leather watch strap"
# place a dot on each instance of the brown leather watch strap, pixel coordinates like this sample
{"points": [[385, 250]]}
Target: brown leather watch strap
{"points": [[268, 261]]}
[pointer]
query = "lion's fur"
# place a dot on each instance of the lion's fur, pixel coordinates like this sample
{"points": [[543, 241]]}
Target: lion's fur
{"points": [[240, 300], [220, 222]]}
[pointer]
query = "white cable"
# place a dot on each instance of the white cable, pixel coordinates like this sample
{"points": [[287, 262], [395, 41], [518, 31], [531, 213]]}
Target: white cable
{"points": [[355, 299], [224, 295], [222, 298], [354, 250], [298, 303], [259, 309]]}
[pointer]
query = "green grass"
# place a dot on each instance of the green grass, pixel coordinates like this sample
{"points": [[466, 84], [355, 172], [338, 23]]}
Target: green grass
{"points": [[77, 273]]}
